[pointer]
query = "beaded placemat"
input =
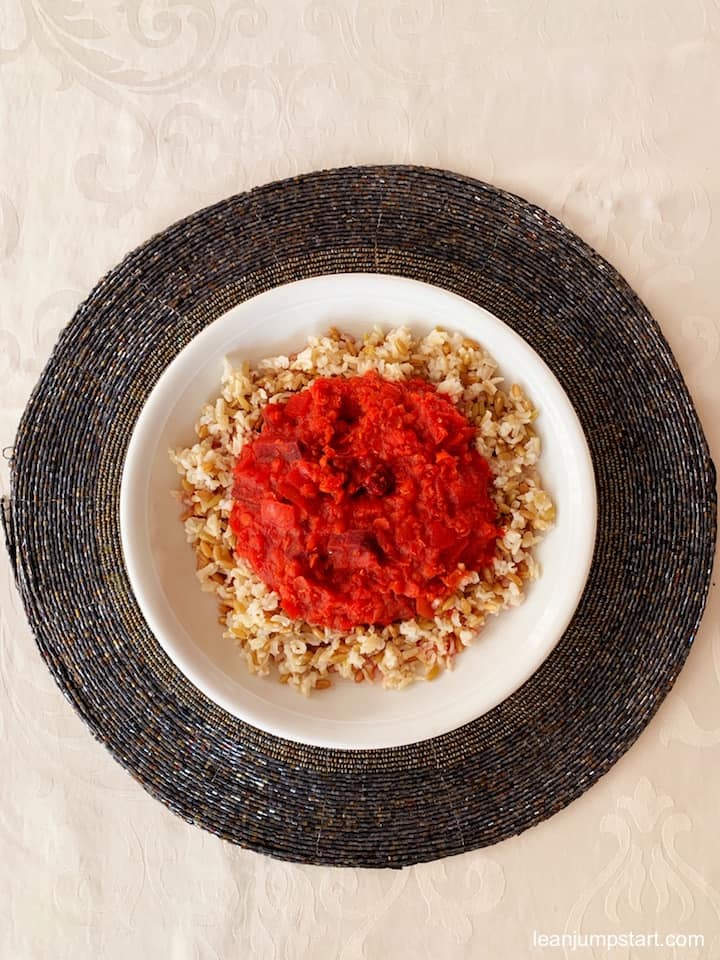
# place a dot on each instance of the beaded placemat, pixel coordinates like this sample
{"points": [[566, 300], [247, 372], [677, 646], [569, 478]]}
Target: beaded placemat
{"points": [[537, 750]]}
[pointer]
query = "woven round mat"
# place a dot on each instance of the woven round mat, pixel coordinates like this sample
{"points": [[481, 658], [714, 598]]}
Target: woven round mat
{"points": [[537, 750]]}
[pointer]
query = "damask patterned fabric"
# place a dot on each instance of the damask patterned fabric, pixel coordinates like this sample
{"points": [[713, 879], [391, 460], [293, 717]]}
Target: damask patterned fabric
{"points": [[120, 118]]}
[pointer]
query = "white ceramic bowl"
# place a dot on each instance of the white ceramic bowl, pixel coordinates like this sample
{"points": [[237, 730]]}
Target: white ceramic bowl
{"points": [[161, 565]]}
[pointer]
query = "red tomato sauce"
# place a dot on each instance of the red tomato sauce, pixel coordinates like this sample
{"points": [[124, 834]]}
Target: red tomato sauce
{"points": [[363, 500]]}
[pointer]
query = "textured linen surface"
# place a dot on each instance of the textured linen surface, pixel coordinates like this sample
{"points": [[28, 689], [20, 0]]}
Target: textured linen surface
{"points": [[120, 118]]}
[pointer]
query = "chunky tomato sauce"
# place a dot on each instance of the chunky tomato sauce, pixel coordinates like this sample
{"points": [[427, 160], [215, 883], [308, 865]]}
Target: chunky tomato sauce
{"points": [[363, 500]]}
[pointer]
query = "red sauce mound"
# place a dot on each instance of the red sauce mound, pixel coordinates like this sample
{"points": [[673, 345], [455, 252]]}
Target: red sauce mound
{"points": [[360, 499]]}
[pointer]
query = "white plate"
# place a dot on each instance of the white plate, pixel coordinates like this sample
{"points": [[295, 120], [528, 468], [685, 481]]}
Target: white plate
{"points": [[161, 565]]}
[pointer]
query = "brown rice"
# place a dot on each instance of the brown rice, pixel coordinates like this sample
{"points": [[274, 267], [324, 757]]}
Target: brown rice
{"points": [[310, 657]]}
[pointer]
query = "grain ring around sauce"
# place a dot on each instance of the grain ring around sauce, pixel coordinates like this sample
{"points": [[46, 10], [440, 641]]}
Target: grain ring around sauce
{"points": [[309, 656]]}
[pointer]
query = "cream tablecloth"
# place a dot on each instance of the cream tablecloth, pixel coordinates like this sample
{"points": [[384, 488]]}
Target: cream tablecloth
{"points": [[119, 118]]}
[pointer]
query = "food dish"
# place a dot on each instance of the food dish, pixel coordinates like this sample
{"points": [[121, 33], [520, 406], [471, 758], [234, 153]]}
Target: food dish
{"points": [[421, 461], [162, 573]]}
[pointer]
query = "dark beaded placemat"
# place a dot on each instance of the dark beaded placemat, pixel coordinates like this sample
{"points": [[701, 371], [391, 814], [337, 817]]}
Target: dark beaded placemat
{"points": [[540, 748]]}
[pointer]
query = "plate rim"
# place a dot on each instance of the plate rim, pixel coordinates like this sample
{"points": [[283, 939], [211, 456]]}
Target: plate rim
{"points": [[131, 478]]}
